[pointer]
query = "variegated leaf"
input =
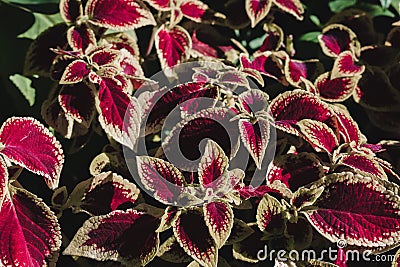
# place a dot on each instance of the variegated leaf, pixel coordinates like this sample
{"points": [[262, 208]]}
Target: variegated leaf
{"points": [[71, 10], [257, 10], [218, 216], [319, 135], [81, 37], [296, 70], [119, 15], [75, 72], [293, 7], [193, 9], [348, 127], [171, 251], [109, 237], [345, 66], [337, 38], [213, 165], [363, 164], [336, 89], [269, 209], [254, 100], [27, 143]]}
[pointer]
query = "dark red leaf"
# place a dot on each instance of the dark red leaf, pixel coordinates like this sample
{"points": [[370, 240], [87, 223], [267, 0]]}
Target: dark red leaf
{"points": [[293, 7], [257, 10], [75, 72], [81, 37], [337, 38]]}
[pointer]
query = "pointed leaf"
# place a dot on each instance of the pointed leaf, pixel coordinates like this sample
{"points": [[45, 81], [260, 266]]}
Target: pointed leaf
{"points": [[337, 38], [268, 210], [27, 143], [160, 177], [30, 231], [295, 70], [171, 251], [319, 135], [75, 72], [274, 38], [358, 209], [240, 231], [336, 89], [71, 10], [363, 164], [109, 237], [193, 235], [103, 193], [304, 197], [193, 9], [219, 219], [119, 15], [255, 137], [345, 66], [24, 85], [254, 100], [257, 10], [172, 45], [80, 38], [213, 165], [293, 7], [347, 125]]}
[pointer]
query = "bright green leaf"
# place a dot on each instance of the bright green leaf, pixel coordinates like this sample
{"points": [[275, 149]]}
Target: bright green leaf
{"points": [[375, 10], [310, 37], [33, 2], [42, 22], [385, 3], [338, 5], [395, 5], [24, 85], [257, 42], [315, 20]]}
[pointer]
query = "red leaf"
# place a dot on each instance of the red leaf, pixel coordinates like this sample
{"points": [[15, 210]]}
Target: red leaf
{"points": [[30, 233], [109, 237], [254, 100], [27, 143], [173, 45], [295, 70], [119, 15], [257, 10], [348, 127], [104, 56], [81, 37], [70, 10], [193, 235], [213, 165], [103, 193], [337, 38], [363, 164], [268, 210], [75, 72], [319, 135], [293, 7], [193, 9], [219, 219], [345, 66], [363, 211], [336, 89], [121, 40], [162, 5]]}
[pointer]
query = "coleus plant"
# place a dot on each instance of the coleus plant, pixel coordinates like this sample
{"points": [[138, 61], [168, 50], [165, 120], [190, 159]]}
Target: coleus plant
{"points": [[320, 180]]}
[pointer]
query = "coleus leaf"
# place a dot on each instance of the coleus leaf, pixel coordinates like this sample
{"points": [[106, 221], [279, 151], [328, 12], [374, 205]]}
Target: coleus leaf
{"points": [[345, 66], [193, 9], [122, 40], [363, 164], [273, 40], [257, 10], [78, 101], [218, 216], [213, 165], [171, 213], [161, 177], [70, 10], [109, 237], [293, 7], [295, 70], [171, 251], [173, 45], [30, 230], [255, 137], [162, 5], [27, 143], [269, 209], [75, 72], [81, 37], [348, 127], [119, 15], [240, 231], [102, 194], [319, 135], [361, 210], [254, 101], [337, 38], [247, 249], [336, 89], [192, 233], [304, 197]]}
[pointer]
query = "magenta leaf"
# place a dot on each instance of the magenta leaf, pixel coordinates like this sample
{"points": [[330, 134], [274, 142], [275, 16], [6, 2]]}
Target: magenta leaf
{"points": [[121, 40], [102, 194], [161, 177], [162, 5], [254, 101], [78, 101], [75, 72], [30, 232], [361, 210], [219, 218], [257, 10], [295, 171], [319, 135], [269, 209], [363, 164], [255, 137], [293, 7], [172, 45], [345, 66], [104, 56], [273, 40], [192, 233], [347, 125], [171, 213], [247, 192], [81, 37], [295, 70], [71, 10], [193, 9], [27, 143], [336, 89], [337, 38], [3, 180], [213, 164], [291, 107], [109, 237], [119, 15]]}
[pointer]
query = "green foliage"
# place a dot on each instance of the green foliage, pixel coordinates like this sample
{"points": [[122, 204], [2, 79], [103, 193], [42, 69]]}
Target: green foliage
{"points": [[310, 37], [24, 85], [338, 5], [42, 22]]}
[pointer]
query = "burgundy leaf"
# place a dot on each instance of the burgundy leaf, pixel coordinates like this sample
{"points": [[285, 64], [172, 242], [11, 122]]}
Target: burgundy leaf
{"points": [[171, 251], [103, 193], [121, 40], [104, 56], [247, 192], [192, 233], [319, 135], [347, 125], [30, 232], [119, 15], [171, 213], [363, 164], [274, 38], [363, 211], [3, 180], [213, 164], [295, 70], [27, 143], [293, 106], [269, 209], [345, 66], [109, 237], [257, 10], [71, 10], [293, 7], [254, 100], [219, 219], [162, 5], [162, 178], [255, 137], [81, 37], [172, 45], [337, 38], [75, 72], [193, 9], [78, 101], [202, 48], [336, 89], [295, 170]]}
